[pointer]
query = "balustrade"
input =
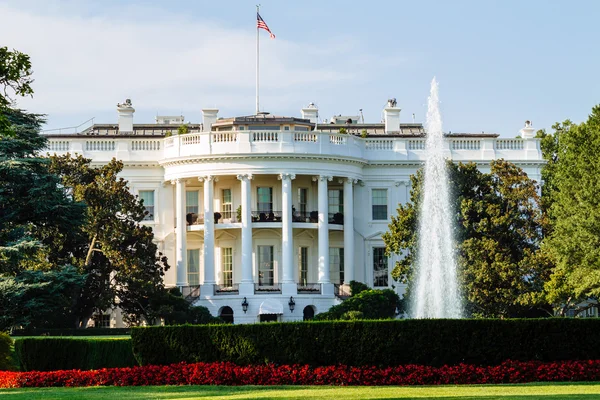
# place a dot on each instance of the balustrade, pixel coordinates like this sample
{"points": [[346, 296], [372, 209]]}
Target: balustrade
{"points": [[416, 144], [509, 144], [100, 145], [379, 144], [265, 136], [224, 137], [466, 144], [145, 145]]}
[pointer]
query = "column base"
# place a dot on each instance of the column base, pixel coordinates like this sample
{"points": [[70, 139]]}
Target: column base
{"points": [[246, 289], [289, 289], [207, 290], [327, 289]]}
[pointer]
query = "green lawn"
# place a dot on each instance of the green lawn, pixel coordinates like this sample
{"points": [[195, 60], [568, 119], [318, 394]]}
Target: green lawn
{"points": [[567, 391]]}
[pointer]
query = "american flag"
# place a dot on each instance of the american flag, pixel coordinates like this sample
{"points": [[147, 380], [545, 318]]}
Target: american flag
{"points": [[261, 24]]}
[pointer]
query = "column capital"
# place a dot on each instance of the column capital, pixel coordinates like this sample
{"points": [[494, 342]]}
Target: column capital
{"points": [[351, 181], [176, 181], [207, 178], [398, 183], [282, 177], [322, 178], [241, 177]]}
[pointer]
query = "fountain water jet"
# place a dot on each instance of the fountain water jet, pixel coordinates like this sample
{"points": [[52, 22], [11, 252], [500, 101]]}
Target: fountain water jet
{"points": [[435, 293]]}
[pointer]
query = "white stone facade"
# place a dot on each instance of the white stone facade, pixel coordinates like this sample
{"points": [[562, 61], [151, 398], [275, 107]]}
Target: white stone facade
{"points": [[296, 213]]}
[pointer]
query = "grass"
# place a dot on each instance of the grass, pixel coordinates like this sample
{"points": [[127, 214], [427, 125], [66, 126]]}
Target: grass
{"points": [[554, 391]]}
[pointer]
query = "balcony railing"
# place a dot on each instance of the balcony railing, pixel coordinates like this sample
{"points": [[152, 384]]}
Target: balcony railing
{"points": [[227, 289], [336, 218], [267, 289], [309, 288], [219, 217], [305, 216], [266, 216]]}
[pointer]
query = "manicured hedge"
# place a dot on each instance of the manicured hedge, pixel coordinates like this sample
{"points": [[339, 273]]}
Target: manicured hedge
{"points": [[49, 354], [72, 332], [380, 343]]}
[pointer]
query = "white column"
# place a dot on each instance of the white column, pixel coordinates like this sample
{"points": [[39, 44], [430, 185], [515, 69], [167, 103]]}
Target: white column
{"points": [[348, 230], [180, 233], [287, 236], [209, 236], [247, 284], [323, 230]]}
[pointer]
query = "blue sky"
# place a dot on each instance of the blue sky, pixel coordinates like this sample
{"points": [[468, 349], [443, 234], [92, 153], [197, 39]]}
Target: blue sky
{"points": [[498, 62]]}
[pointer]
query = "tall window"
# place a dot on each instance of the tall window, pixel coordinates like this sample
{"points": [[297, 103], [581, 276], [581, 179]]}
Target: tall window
{"points": [[193, 267], [336, 265], [265, 199], [147, 196], [227, 207], [227, 263], [265, 266], [303, 265], [336, 201], [303, 201], [379, 204], [380, 267], [191, 202]]}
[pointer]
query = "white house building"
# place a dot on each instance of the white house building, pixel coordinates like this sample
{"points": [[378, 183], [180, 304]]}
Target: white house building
{"points": [[265, 217]]}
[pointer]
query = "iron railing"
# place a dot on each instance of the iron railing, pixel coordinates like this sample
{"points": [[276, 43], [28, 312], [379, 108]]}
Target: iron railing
{"points": [[267, 289], [309, 288], [227, 289]]}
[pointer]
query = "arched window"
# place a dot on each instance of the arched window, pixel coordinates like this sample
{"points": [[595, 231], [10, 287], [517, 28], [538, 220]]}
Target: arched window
{"points": [[309, 313], [226, 314]]}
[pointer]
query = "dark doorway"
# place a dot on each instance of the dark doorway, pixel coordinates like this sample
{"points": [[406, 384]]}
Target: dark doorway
{"points": [[309, 313], [227, 314], [268, 317]]}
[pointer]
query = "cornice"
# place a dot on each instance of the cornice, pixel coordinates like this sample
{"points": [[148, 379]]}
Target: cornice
{"points": [[270, 157]]}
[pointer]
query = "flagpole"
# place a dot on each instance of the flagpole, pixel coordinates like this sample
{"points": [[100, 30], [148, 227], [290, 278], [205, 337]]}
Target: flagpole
{"points": [[257, 38]]}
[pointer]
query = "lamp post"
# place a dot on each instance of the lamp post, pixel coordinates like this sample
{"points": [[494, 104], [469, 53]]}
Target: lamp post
{"points": [[245, 305], [292, 304]]}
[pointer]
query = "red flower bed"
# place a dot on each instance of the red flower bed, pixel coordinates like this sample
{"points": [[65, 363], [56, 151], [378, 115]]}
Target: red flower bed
{"points": [[231, 374]]}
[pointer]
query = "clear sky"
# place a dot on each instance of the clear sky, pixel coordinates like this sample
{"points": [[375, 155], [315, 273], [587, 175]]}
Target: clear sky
{"points": [[498, 62]]}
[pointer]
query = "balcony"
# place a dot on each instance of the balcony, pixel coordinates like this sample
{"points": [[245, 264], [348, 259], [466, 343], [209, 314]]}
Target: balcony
{"points": [[267, 289], [219, 217], [380, 148], [309, 288], [227, 289], [266, 216]]}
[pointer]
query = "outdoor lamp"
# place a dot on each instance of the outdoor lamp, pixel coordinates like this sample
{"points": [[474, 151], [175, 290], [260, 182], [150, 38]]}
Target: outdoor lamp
{"points": [[245, 305], [292, 304]]}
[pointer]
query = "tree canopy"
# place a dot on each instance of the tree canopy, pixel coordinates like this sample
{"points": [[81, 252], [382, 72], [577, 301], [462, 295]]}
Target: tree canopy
{"points": [[498, 233]]}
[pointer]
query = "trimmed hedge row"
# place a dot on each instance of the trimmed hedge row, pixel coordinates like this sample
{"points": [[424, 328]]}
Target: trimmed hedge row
{"points": [[380, 343], [72, 332], [50, 354]]}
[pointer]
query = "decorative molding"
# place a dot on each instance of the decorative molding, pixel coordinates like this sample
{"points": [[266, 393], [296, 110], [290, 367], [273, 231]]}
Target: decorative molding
{"points": [[351, 181], [241, 177], [207, 178], [402, 182], [286, 176]]}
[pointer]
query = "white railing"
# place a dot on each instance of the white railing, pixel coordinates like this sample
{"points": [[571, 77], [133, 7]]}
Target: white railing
{"points": [[224, 137], [466, 144], [145, 145], [57, 145], [190, 138], [100, 145], [379, 144], [265, 136], [305, 137], [337, 140], [416, 144], [509, 144]]}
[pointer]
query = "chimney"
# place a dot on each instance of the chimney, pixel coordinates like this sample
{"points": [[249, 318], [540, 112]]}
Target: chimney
{"points": [[209, 117], [125, 112], [528, 132], [391, 115], [311, 112]]}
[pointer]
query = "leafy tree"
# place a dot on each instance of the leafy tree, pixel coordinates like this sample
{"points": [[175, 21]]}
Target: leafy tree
{"points": [[574, 209], [118, 255], [498, 232], [173, 309]]}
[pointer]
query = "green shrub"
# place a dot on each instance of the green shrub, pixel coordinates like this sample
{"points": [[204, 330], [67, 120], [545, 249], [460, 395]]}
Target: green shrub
{"points": [[71, 332], [382, 343], [5, 347], [357, 287], [352, 316], [49, 354], [373, 304]]}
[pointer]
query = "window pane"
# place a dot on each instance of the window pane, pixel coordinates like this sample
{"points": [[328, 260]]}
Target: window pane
{"points": [[380, 267], [227, 206], [303, 266], [147, 196], [303, 201], [265, 199], [379, 204], [336, 265], [265, 266], [193, 267], [191, 202], [227, 262], [336, 201]]}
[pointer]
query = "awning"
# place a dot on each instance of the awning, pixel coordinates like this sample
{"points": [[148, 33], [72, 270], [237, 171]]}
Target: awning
{"points": [[270, 307]]}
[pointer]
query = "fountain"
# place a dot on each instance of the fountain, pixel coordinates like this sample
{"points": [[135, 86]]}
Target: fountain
{"points": [[435, 292]]}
